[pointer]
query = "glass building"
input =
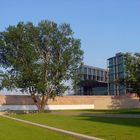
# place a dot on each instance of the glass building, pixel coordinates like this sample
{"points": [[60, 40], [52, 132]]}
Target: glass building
{"points": [[93, 81], [116, 70]]}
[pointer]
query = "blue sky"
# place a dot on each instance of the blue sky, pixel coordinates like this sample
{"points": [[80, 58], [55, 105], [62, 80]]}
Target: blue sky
{"points": [[105, 27]]}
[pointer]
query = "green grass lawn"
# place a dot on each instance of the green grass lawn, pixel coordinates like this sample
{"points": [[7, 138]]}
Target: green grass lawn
{"points": [[111, 111], [13, 130], [102, 127]]}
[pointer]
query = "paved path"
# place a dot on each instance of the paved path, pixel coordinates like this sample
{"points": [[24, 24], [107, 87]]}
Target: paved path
{"points": [[77, 135]]}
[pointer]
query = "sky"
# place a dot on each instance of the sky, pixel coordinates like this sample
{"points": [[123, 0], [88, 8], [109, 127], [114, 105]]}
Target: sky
{"points": [[105, 27]]}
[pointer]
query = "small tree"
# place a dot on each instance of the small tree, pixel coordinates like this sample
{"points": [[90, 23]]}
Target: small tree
{"points": [[132, 78], [39, 59]]}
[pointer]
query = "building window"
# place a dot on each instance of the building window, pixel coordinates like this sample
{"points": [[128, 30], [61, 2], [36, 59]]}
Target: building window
{"points": [[85, 70], [89, 71], [102, 73], [98, 78], [85, 76], [89, 77], [98, 73], [111, 62], [94, 77]]}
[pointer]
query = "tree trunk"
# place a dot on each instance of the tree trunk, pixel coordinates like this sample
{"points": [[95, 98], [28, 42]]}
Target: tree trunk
{"points": [[40, 103], [44, 100]]}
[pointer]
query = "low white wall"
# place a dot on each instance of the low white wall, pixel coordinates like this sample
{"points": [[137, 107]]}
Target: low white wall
{"points": [[47, 107]]}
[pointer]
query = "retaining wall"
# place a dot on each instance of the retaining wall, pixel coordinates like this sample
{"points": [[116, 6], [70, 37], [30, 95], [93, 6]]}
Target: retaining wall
{"points": [[70, 102]]}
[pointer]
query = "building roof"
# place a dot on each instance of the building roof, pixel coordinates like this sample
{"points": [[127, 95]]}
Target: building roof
{"points": [[116, 55], [92, 67]]}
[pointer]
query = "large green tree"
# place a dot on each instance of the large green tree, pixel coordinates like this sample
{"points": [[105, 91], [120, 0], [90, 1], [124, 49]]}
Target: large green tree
{"points": [[39, 59], [132, 77]]}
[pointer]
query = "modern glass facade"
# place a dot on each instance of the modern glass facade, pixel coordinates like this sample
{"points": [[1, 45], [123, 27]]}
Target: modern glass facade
{"points": [[93, 81], [116, 70]]}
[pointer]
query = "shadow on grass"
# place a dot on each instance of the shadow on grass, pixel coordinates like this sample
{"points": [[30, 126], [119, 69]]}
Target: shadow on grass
{"points": [[135, 122], [112, 111]]}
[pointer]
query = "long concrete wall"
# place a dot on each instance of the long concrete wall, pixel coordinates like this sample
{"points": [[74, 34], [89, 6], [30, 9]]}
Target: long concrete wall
{"points": [[73, 102]]}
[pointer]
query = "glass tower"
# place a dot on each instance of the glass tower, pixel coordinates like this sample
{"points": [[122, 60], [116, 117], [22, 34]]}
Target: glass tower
{"points": [[116, 70]]}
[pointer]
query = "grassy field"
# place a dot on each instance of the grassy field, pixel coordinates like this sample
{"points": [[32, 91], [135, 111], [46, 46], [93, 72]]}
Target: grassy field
{"points": [[12, 130], [115, 111], [102, 127]]}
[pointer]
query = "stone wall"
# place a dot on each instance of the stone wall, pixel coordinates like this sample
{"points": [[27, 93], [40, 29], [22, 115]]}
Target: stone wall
{"points": [[99, 102]]}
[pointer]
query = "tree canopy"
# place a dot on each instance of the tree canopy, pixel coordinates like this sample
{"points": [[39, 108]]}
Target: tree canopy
{"points": [[39, 59], [132, 68]]}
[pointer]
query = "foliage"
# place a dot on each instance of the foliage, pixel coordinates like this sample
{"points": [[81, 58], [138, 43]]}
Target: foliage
{"points": [[132, 67], [39, 59]]}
